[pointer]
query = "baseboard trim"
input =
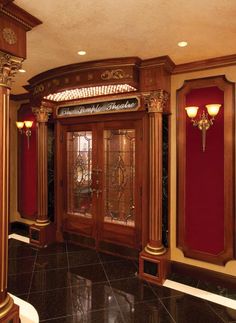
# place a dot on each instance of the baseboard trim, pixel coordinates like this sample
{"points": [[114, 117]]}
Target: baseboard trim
{"points": [[19, 225], [203, 274]]}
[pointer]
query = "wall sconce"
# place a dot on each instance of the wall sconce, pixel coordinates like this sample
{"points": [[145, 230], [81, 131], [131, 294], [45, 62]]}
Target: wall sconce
{"points": [[27, 124], [203, 123]]}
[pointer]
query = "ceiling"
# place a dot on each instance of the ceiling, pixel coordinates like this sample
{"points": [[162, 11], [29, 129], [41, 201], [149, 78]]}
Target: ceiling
{"points": [[122, 28]]}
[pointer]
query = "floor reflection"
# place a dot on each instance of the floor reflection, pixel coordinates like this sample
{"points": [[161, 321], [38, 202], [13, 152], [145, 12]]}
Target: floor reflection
{"points": [[70, 284]]}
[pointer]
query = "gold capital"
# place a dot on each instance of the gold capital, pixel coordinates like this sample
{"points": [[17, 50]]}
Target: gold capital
{"points": [[157, 101], [42, 113], [9, 65]]}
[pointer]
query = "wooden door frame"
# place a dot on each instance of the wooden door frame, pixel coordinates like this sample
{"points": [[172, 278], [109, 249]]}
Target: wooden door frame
{"points": [[142, 230]]}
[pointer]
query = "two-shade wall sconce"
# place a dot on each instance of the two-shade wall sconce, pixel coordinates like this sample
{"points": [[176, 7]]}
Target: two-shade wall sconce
{"points": [[24, 127], [203, 122]]}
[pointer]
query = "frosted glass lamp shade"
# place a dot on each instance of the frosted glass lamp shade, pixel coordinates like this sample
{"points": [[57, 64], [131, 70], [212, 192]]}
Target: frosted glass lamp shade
{"points": [[28, 124], [191, 111], [213, 109], [19, 124]]}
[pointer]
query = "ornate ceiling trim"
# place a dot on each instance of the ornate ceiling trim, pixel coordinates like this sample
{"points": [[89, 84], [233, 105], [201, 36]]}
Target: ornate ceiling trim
{"points": [[8, 8]]}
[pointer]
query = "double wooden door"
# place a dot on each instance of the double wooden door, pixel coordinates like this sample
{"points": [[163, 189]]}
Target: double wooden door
{"points": [[103, 181]]}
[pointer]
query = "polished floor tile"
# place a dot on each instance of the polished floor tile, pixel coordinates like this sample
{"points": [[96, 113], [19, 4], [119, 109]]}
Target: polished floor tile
{"points": [[162, 291], [91, 297], [121, 269], [19, 284], [111, 315], [185, 309], [20, 249], [52, 304], [67, 283], [21, 265], [104, 257], [94, 273], [53, 249], [146, 312], [225, 313], [132, 290], [50, 279], [56, 261], [83, 257]]}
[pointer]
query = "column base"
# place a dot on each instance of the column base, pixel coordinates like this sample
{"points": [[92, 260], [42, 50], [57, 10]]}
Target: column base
{"points": [[156, 251], [42, 235], [9, 313], [154, 268]]}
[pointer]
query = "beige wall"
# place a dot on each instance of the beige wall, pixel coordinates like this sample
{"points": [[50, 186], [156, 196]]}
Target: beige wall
{"points": [[14, 214], [176, 83]]}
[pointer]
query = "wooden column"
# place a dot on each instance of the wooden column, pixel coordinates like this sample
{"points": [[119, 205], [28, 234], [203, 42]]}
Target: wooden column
{"points": [[41, 233], [153, 265], [9, 65]]}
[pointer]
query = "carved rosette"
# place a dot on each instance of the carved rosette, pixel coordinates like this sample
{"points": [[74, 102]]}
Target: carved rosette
{"points": [[157, 101], [9, 66], [42, 113]]}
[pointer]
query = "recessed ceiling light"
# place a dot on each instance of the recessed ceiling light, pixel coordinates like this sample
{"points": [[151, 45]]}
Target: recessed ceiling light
{"points": [[182, 44], [81, 52], [22, 70]]}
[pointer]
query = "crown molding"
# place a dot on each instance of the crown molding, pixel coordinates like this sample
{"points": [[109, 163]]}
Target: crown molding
{"points": [[201, 65], [8, 8]]}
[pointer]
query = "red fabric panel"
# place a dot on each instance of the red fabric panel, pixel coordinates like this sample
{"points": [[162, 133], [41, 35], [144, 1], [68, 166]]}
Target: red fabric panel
{"points": [[28, 169], [204, 209]]}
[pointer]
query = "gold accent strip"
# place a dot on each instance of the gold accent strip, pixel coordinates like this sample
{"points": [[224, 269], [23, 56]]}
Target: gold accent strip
{"points": [[4, 85], [3, 233], [7, 145], [6, 306], [155, 251], [42, 223], [4, 303]]}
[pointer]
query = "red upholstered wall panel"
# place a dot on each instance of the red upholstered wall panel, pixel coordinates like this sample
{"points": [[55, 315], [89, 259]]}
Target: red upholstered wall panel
{"points": [[204, 203], [27, 178]]}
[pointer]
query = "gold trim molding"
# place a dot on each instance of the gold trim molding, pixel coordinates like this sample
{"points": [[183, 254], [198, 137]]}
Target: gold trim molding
{"points": [[155, 251], [42, 223], [6, 306], [9, 66], [157, 101]]}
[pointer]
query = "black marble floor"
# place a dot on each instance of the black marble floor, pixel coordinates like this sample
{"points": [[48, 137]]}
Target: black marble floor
{"points": [[68, 283]]}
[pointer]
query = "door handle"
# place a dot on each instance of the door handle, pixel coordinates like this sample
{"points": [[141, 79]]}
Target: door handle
{"points": [[95, 190], [97, 170]]}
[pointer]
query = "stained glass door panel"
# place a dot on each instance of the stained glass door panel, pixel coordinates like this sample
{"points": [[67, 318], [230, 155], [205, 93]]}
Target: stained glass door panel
{"points": [[102, 183], [119, 176], [79, 173]]}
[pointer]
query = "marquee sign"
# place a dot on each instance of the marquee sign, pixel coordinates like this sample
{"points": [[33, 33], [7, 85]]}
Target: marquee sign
{"points": [[119, 105]]}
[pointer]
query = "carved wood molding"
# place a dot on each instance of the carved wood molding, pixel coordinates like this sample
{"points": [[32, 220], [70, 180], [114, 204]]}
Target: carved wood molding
{"points": [[9, 65], [8, 8], [205, 64]]}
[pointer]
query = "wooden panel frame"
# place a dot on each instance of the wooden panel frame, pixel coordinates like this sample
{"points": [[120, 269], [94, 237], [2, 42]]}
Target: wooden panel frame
{"points": [[229, 156]]}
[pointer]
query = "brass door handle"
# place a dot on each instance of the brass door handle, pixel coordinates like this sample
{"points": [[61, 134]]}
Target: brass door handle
{"points": [[97, 170], [95, 190], [98, 192]]}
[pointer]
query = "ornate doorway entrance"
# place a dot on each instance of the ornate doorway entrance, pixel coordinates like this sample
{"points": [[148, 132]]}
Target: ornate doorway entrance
{"points": [[102, 184]]}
